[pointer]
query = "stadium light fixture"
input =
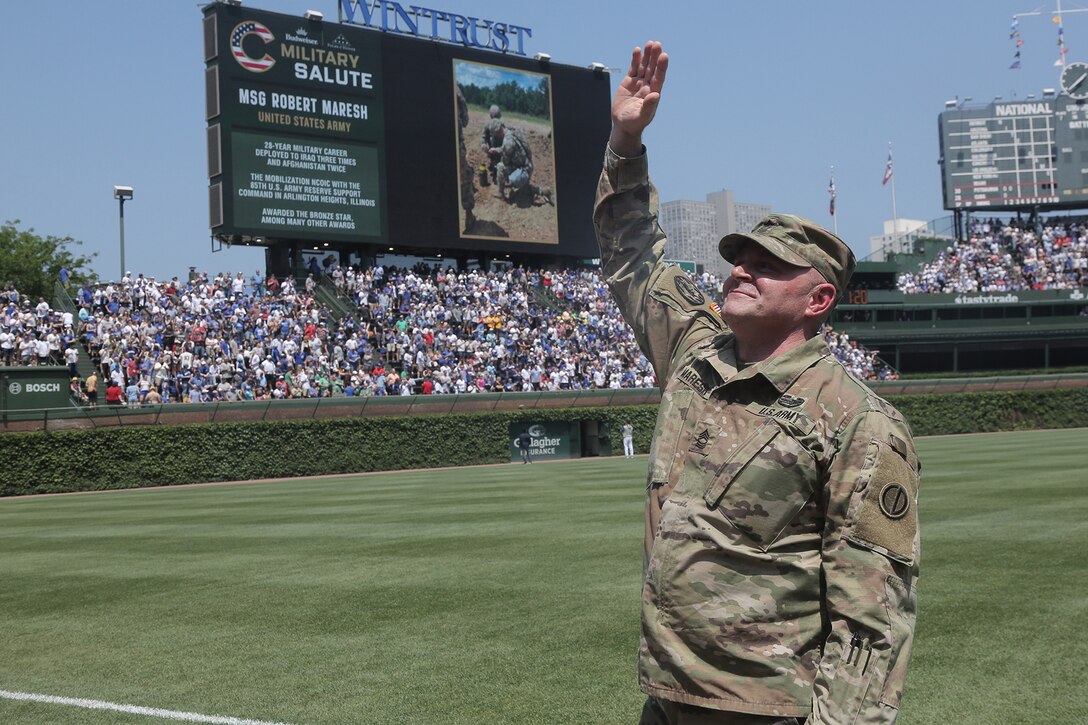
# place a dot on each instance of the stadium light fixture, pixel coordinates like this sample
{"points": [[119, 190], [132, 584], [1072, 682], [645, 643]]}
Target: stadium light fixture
{"points": [[543, 57], [951, 104], [1049, 92], [998, 98], [234, 3], [1031, 96], [314, 15], [598, 67], [122, 194]]}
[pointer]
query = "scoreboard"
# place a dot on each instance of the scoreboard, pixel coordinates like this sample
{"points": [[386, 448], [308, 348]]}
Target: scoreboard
{"points": [[327, 132], [1015, 155]]}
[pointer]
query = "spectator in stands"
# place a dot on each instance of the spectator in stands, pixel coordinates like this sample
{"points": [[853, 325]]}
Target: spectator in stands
{"points": [[1009, 256], [113, 394], [446, 330]]}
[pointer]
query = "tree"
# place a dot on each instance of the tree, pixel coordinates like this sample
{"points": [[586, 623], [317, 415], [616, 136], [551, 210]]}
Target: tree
{"points": [[31, 263]]}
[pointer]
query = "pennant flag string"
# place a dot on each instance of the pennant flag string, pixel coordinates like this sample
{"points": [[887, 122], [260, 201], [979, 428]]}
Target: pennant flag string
{"points": [[1014, 34], [1061, 37]]}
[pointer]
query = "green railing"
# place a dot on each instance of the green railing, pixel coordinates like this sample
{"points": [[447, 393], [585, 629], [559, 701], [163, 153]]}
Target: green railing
{"points": [[339, 306], [981, 384], [63, 301], [178, 413], [270, 410]]}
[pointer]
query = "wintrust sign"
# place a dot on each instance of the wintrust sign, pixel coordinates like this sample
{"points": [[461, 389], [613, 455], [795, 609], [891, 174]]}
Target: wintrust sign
{"points": [[472, 32]]}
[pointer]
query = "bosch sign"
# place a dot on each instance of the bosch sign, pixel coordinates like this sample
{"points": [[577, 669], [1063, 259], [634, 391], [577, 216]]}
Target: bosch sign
{"points": [[17, 388], [34, 388]]}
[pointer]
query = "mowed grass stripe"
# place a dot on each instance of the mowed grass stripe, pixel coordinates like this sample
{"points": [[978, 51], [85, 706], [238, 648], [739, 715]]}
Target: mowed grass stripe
{"points": [[504, 594], [1003, 613], [442, 596]]}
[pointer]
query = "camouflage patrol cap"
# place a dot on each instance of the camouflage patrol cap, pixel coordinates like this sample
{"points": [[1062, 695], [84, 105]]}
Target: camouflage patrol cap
{"points": [[800, 242]]}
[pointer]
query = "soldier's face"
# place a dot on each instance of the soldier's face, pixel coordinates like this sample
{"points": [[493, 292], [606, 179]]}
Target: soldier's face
{"points": [[764, 289]]}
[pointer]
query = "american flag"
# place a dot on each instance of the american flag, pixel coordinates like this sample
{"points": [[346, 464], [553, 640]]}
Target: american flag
{"points": [[887, 169], [241, 30], [831, 192]]}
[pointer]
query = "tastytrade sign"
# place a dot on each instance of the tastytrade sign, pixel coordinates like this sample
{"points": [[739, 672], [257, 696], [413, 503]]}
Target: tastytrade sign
{"points": [[434, 24]]}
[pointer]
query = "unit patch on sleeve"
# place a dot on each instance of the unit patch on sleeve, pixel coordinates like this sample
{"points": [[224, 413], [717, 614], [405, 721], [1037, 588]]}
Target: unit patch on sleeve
{"points": [[688, 290]]}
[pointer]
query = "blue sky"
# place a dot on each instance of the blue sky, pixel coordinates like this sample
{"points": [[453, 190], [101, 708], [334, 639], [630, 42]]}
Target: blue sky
{"points": [[763, 96], [489, 76]]}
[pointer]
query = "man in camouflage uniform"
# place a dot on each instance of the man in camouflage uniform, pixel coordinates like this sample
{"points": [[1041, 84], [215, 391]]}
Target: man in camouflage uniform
{"points": [[491, 139], [782, 518], [468, 180], [514, 171]]}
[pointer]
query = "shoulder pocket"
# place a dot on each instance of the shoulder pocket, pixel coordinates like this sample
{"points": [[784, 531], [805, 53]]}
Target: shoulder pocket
{"points": [[763, 484], [887, 515]]}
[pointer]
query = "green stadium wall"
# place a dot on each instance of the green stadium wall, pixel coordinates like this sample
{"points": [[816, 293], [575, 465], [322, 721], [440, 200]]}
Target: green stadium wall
{"points": [[140, 456]]}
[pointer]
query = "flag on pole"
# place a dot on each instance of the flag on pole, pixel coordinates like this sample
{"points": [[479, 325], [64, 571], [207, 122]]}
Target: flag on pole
{"points": [[831, 193], [1015, 65], [888, 168]]}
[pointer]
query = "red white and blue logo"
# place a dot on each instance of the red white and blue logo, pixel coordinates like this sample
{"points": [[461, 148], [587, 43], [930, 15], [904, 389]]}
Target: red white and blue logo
{"points": [[238, 36]]}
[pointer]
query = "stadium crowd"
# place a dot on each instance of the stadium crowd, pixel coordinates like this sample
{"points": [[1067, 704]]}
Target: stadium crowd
{"points": [[1002, 256], [863, 363], [418, 331]]}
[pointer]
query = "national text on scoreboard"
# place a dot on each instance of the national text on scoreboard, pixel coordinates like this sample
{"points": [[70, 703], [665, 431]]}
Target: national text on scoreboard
{"points": [[1015, 155]]}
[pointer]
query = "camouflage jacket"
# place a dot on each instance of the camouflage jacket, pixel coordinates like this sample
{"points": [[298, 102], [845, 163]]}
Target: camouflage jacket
{"points": [[516, 153], [489, 137], [781, 521]]}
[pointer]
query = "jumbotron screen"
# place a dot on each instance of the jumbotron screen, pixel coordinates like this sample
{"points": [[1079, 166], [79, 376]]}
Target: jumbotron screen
{"points": [[1015, 155], [320, 131]]}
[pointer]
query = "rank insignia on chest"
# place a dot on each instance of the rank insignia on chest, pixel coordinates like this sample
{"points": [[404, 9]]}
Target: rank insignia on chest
{"points": [[703, 442]]}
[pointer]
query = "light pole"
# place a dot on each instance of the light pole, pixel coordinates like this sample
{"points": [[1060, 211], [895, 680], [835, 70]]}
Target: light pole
{"points": [[121, 193]]}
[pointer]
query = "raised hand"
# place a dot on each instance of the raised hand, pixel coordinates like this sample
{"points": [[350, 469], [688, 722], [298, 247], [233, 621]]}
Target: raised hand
{"points": [[635, 102]]}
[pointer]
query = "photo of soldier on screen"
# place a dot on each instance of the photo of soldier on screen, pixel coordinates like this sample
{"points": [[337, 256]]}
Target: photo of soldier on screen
{"points": [[506, 159]]}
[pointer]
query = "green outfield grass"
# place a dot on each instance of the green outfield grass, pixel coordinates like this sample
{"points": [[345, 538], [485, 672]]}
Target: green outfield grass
{"points": [[503, 594]]}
